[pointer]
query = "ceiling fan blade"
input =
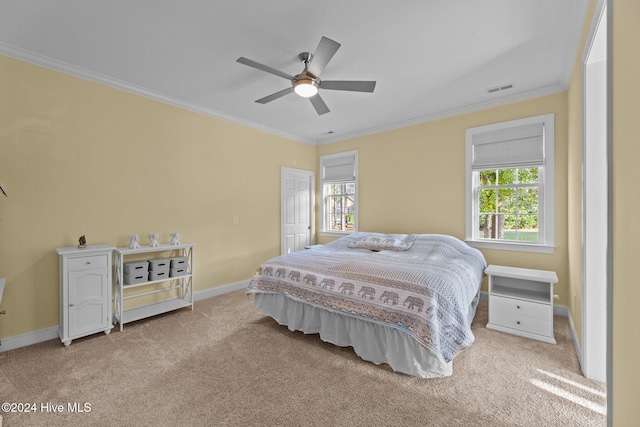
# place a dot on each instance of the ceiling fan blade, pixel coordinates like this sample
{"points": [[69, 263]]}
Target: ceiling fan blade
{"points": [[275, 96], [324, 52], [319, 105], [351, 85], [263, 67]]}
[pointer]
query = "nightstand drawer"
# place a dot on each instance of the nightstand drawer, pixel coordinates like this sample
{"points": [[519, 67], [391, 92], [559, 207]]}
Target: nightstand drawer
{"points": [[520, 308], [87, 262], [521, 323]]}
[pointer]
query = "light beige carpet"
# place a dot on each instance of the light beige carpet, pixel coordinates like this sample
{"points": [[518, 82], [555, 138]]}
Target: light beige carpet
{"points": [[226, 364]]}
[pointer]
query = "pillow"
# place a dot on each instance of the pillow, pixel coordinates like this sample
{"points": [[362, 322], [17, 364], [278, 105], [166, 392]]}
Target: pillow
{"points": [[381, 242]]}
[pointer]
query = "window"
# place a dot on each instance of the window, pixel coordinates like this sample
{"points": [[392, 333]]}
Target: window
{"points": [[510, 185], [508, 201], [339, 196]]}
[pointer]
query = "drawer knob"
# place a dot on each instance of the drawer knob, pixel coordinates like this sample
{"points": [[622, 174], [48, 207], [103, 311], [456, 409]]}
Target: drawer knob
{"points": [[88, 262], [518, 307], [518, 322]]}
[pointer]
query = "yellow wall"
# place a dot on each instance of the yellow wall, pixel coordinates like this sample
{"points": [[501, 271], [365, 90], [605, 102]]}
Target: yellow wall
{"points": [[80, 158], [574, 172], [412, 180], [626, 205]]}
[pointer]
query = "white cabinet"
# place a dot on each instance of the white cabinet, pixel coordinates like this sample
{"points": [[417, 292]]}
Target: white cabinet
{"points": [[167, 293], [85, 291], [521, 302]]}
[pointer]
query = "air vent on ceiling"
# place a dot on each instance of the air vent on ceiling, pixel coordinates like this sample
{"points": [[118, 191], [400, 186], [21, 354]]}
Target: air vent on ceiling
{"points": [[500, 88]]}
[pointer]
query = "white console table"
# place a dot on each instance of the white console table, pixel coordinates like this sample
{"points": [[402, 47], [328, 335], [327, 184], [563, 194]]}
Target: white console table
{"points": [[521, 302], [183, 285]]}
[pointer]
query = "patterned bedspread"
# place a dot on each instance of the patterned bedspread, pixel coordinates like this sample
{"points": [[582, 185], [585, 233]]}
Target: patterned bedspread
{"points": [[427, 290]]}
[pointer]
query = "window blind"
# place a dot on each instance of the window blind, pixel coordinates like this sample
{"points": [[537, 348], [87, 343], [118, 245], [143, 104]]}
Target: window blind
{"points": [[339, 168], [509, 148]]}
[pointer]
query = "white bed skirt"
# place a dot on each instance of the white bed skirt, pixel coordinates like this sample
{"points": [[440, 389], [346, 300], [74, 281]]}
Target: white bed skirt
{"points": [[373, 342]]}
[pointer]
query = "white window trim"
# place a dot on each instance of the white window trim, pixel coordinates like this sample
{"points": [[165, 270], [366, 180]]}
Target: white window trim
{"points": [[547, 203], [323, 230]]}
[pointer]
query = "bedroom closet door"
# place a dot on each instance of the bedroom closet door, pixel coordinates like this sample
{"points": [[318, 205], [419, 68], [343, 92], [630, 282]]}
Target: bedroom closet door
{"points": [[296, 211]]}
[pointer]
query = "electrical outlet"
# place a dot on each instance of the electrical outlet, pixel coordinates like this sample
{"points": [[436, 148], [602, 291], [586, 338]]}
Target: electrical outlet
{"points": [[234, 220]]}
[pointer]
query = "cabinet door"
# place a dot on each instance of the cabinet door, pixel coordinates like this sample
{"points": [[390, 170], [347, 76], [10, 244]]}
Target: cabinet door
{"points": [[88, 301]]}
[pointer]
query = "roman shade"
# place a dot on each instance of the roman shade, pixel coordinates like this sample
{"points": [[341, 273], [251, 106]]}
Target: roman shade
{"points": [[513, 147], [339, 168]]}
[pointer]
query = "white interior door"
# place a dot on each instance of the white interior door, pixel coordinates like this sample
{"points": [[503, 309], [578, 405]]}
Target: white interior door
{"points": [[296, 212]]}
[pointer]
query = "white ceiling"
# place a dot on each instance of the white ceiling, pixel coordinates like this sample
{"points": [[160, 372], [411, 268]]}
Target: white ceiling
{"points": [[430, 58]]}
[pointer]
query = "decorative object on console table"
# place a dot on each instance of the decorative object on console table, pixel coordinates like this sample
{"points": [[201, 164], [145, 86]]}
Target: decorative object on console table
{"points": [[134, 242], [159, 276], [521, 302], [85, 291], [82, 242], [153, 240], [175, 238]]}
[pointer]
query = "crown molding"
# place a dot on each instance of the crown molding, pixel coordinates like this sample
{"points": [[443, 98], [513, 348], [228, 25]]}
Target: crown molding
{"points": [[85, 74], [63, 67], [523, 96]]}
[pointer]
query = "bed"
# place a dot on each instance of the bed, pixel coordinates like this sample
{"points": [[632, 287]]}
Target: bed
{"points": [[406, 300]]}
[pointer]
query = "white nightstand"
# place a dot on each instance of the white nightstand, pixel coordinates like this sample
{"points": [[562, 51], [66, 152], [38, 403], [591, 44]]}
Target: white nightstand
{"points": [[521, 302]]}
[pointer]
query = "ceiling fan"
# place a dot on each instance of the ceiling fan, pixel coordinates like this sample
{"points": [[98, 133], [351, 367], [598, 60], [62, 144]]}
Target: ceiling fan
{"points": [[308, 83]]}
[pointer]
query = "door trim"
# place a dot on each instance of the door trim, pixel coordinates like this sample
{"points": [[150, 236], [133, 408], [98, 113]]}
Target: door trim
{"points": [[595, 339]]}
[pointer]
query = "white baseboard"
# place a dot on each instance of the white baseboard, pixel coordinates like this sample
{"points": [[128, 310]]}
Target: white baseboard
{"points": [[47, 334], [220, 290], [574, 338], [28, 338], [560, 310], [563, 310]]}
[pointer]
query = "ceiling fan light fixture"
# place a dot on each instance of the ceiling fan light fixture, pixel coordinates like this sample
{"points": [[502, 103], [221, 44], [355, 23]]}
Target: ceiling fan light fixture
{"points": [[305, 87], [307, 83]]}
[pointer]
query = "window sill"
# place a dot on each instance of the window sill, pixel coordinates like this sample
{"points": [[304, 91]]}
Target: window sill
{"points": [[511, 246], [335, 233]]}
